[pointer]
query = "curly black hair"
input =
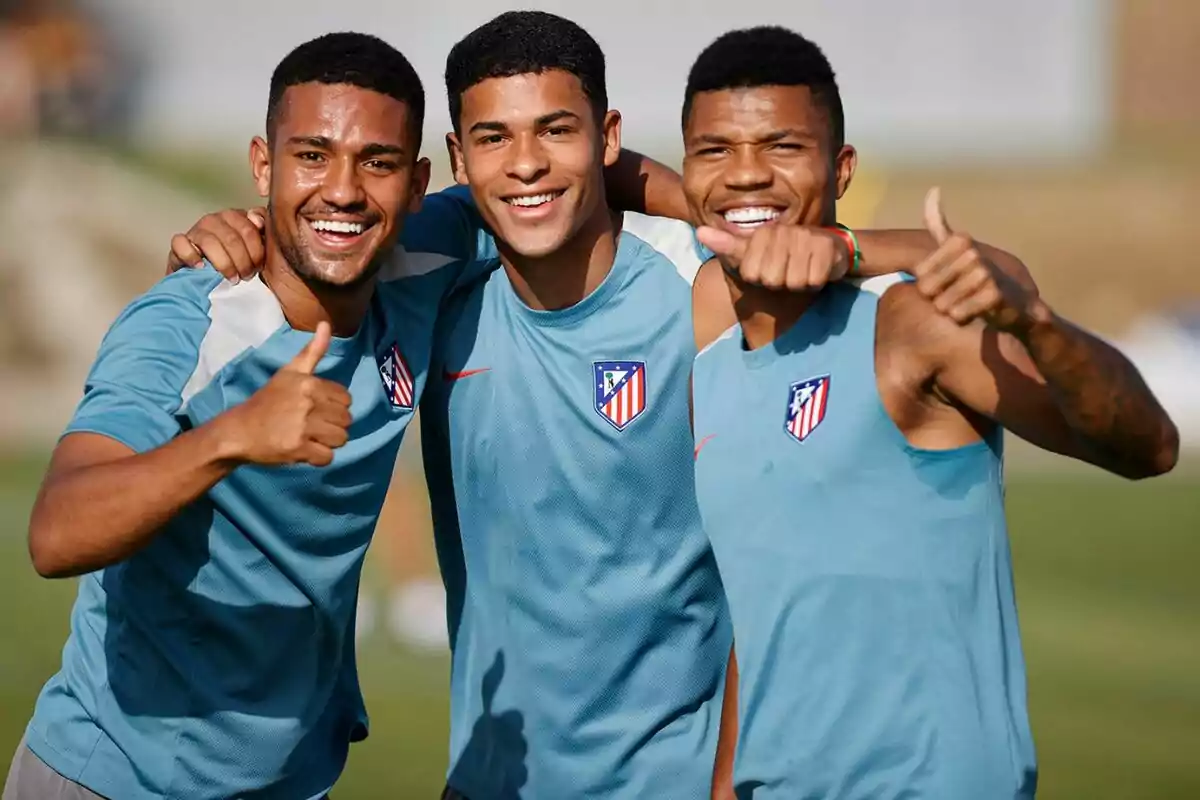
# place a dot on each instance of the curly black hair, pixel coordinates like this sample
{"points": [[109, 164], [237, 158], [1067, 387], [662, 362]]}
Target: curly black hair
{"points": [[767, 56], [357, 59], [525, 42]]}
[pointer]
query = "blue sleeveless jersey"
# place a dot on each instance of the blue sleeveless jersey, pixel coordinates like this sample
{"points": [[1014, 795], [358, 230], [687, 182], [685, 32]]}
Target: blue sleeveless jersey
{"points": [[588, 624], [218, 661], [869, 581]]}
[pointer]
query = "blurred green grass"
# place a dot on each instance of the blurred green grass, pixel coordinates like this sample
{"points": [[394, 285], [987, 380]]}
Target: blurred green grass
{"points": [[1108, 601]]}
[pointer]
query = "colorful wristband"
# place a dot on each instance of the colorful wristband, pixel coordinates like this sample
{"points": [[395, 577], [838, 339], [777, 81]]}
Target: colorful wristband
{"points": [[847, 235]]}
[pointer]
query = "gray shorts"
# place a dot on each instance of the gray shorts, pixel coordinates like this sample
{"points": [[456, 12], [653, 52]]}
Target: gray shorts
{"points": [[30, 779]]}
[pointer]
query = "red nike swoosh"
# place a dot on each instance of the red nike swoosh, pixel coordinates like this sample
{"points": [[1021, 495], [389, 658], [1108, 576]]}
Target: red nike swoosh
{"points": [[449, 376], [701, 444]]}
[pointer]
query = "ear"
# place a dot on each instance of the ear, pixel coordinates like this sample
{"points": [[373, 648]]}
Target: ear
{"points": [[457, 161], [845, 164], [260, 165], [612, 137], [418, 185]]}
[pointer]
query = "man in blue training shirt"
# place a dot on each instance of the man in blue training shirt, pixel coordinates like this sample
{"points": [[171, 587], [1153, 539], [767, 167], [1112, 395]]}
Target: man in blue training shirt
{"points": [[849, 463], [221, 478]]}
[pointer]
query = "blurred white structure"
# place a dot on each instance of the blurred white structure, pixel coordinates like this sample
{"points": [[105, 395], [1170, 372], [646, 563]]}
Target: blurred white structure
{"points": [[939, 79]]}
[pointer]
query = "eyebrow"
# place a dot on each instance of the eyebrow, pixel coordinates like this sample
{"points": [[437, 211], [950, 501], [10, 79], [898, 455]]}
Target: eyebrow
{"points": [[773, 136], [325, 143], [540, 122]]}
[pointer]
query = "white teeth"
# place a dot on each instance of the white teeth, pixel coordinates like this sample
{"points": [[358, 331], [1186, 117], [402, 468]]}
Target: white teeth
{"points": [[751, 215], [335, 226], [532, 200]]}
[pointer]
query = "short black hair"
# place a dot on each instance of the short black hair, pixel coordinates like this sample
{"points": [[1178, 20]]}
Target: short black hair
{"points": [[767, 56], [522, 43], [356, 59]]}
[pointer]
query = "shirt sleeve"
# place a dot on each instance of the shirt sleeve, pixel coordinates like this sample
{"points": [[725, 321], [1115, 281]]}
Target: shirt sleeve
{"points": [[449, 229], [134, 389]]}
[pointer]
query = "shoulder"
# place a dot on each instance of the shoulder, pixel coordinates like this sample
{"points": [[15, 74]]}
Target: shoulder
{"points": [[712, 307], [908, 321], [179, 301], [447, 222], [672, 239], [722, 341], [185, 288]]}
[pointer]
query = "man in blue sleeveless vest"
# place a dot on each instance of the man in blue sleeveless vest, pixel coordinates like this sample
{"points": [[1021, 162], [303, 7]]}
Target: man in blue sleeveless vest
{"points": [[588, 624], [849, 468]]}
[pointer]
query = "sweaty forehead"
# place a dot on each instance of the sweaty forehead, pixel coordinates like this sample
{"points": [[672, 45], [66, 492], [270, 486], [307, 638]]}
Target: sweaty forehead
{"points": [[747, 110], [343, 113]]}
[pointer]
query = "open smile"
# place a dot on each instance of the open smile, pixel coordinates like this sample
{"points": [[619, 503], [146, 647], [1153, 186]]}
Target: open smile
{"points": [[339, 234]]}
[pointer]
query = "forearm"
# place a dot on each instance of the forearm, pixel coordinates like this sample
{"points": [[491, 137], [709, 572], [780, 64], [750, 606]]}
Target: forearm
{"points": [[96, 515], [883, 252], [1102, 397], [639, 183]]}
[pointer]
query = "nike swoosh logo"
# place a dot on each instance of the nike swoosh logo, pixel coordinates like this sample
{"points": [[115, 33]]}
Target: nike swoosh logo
{"points": [[700, 445], [449, 376]]}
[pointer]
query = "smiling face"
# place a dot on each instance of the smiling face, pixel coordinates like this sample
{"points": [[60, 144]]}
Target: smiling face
{"points": [[340, 174], [534, 154], [762, 155]]}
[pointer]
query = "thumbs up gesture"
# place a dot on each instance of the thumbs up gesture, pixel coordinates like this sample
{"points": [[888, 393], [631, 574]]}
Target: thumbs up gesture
{"points": [[295, 417], [964, 284]]}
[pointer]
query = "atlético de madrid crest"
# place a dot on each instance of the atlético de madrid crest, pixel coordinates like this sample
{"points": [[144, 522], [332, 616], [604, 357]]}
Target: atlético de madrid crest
{"points": [[397, 379], [620, 391], [807, 401]]}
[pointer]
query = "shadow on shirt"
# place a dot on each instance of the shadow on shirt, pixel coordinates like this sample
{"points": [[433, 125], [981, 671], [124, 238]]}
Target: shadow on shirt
{"points": [[497, 748]]}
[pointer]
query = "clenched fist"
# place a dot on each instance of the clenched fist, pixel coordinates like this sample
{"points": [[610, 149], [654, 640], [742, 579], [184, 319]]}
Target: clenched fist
{"points": [[296, 418], [784, 257]]}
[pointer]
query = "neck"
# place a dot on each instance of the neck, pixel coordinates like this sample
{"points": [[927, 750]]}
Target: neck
{"points": [[306, 303], [563, 278], [765, 315]]}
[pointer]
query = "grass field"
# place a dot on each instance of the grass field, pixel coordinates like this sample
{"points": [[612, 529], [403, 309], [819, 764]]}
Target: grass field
{"points": [[1110, 610]]}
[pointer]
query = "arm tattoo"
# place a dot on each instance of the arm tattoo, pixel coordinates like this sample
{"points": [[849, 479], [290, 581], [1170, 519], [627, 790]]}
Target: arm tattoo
{"points": [[1103, 399]]}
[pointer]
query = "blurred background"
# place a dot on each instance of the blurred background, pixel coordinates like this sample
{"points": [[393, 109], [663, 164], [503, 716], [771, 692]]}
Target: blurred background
{"points": [[1062, 130]]}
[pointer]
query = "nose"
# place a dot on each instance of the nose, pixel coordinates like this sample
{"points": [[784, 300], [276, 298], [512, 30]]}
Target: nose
{"points": [[528, 159], [343, 186], [748, 171]]}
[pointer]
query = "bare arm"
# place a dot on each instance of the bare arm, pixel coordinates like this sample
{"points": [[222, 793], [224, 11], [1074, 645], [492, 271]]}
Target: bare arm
{"points": [[639, 183], [998, 348], [723, 788], [101, 501], [712, 307], [1058, 387], [884, 252]]}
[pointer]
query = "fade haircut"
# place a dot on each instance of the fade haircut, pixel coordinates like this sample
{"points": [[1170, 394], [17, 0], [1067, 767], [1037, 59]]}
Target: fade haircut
{"points": [[767, 56], [523, 43], [356, 59]]}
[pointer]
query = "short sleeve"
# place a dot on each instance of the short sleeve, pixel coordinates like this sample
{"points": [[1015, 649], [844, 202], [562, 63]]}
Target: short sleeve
{"points": [[449, 234], [134, 389], [449, 224]]}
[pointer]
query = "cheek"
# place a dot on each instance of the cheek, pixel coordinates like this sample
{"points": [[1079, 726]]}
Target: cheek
{"points": [[699, 181], [391, 195], [806, 181], [481, 169], [584, 162]]}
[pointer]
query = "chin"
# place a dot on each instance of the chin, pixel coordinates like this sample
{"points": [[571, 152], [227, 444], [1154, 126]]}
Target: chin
{"points": [[338, 274], [535, 244]]}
